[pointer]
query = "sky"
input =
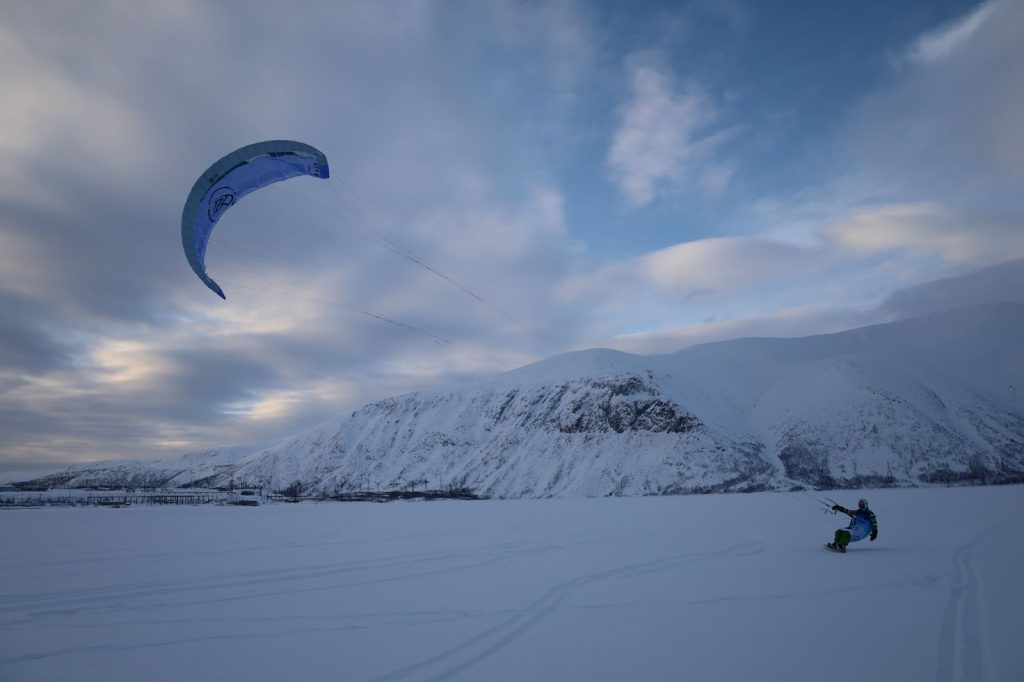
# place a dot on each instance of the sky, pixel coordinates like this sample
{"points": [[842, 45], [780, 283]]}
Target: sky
{"points": [[510, 181]]}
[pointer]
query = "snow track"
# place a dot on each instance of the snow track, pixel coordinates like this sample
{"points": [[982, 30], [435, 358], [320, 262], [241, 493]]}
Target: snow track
{"points": [[473, 651], [961, 654]]}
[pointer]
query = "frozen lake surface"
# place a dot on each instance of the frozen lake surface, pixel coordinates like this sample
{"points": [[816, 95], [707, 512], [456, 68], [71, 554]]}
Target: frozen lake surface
{"points": [[719, 587]]}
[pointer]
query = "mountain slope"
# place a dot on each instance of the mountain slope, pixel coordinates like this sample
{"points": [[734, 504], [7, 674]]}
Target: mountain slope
{"points": [[936, 399]]}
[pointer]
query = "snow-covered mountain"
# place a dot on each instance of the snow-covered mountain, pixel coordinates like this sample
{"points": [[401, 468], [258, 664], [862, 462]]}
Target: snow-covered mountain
{"points": [[936, 399]]}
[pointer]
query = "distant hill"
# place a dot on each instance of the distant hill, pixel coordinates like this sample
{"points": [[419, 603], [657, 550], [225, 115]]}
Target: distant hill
{"points": [[931, 400]]}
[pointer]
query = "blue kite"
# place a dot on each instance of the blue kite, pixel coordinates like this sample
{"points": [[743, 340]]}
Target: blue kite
{"points": [[224, 183]]}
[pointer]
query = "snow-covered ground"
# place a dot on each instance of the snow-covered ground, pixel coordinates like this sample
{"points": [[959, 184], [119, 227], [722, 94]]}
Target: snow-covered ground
{"points": [[718, 587]]}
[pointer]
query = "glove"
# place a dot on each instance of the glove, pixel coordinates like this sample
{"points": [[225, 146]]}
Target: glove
{"points": [[836, 507], [873, 536]]}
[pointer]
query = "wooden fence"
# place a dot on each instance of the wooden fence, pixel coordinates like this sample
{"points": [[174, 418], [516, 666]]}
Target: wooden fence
{"points": [[117, 499]]}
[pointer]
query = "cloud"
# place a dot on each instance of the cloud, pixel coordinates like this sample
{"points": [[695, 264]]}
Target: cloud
{"points": [[942, 42], [1003, 282], [27, 345], [686, 283], [112, 348], [783, 323], [666, 138], [945, 125], [447, 133], [925, 230], [730, 263], [711, 288], [924, 182]]}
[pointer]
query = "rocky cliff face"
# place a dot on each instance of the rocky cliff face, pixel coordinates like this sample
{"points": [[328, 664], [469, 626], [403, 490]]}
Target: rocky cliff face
{"points": [[930, 401]]}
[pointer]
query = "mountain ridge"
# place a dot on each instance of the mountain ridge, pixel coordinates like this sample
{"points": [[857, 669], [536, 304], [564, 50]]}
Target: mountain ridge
{"points": [[936, 399]]}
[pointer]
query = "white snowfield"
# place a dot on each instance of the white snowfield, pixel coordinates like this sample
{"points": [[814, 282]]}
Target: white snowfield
{"points": [[717, 587]]}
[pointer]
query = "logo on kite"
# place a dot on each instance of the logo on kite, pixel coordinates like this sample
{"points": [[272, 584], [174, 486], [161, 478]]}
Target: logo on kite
{"points": [[221, 200], [230, 179]]}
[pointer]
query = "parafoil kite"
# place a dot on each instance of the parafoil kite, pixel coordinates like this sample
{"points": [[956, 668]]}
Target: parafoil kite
{"points": [[242, 171]]}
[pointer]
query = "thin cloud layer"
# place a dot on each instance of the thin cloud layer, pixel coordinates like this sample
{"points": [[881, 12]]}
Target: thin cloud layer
{"points": [[945, 40], [93, 268], [924, 230], [946, 122]]}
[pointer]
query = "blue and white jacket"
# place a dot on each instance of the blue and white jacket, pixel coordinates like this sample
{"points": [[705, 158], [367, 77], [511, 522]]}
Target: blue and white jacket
{"points": [[862, 523]]}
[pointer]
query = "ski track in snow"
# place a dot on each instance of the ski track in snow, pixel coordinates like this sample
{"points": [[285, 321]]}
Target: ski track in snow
{"points": [[189, 592], [115, 598], [960, 657], [481, 646]]}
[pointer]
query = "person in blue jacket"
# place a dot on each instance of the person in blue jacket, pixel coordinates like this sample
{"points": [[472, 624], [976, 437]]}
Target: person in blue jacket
{"points": [[862, 525]]}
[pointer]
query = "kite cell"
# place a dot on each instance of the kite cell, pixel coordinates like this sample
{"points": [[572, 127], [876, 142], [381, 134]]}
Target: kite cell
{"points": [[224, 183]]}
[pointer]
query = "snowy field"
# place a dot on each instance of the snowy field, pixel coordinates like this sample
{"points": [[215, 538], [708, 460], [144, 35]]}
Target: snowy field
{"points": [[729, 587]]}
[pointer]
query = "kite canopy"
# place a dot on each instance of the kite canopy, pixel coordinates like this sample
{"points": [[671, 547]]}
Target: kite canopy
{"points": [[242, 171]]}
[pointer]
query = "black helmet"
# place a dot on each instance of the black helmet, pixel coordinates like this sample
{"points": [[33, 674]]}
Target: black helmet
{"points": [[862, 503]]}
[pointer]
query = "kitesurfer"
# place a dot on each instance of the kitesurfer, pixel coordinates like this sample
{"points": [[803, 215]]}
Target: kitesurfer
{"points": [[862, 525]]}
